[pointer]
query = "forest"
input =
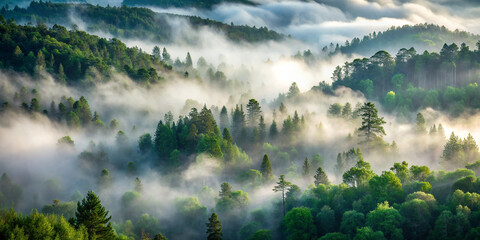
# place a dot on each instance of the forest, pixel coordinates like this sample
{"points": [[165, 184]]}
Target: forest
{"points": [[410, 81], [261, 137], [128, 22]]}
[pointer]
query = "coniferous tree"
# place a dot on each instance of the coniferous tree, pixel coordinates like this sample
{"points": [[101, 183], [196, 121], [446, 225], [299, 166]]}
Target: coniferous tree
{"points": [[266, 168], [214, 228], [262, 130], [91, 214], [227, 136], [321, 177], [188, 61], [238, 122], [306, 167], [282, 186], [166, 56], [420, 124], [273, 130], [371, 128], [223, 118], [225, 190], [253, 112], [156, 52]]}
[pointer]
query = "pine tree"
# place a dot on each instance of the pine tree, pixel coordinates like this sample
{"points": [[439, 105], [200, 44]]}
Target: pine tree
{"points": [[238, 122], [347, 111], [227, 136], [262, 130], [371, 128], [282, 186], [420, 124], [225, 190], [266, 168], [273, 130], [166, 56], [214, 228], [306, 167], [253, 112], [321, 177], [188, 61], [156, 52], [223, 118], [91, 214]]}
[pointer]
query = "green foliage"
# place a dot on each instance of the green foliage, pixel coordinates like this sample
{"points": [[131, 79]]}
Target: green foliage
{"points": [[65, 141], [298, 224], [321, 177], [371, 128], [214, 228], [91, 214], [351, 221], [366, 233], [10, 193], [334, 236], [282, 186], [386, 219], [386, 187], [66, 209], [73, 54], [266, 168], [359, 175], [416, 213], [262, 234]]}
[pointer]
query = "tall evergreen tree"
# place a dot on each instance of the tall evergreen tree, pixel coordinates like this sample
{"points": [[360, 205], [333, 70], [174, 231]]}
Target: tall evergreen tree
{"points": [[238, 122], [253, 112], [214, 228], [266, 168], [306, 167], [262, 130], [321, 177], [420, 127], [282, 186], [371, 128], [91, 214], [273, 130], [223, 118]]}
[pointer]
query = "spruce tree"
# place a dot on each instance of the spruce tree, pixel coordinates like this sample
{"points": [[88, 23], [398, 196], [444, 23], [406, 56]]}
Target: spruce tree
{"points": [[223, 118], [253, 112], [273, 130], [214, 228], [91, 214], [306, 167], [266, 168], [321, 177], [420, 124]]}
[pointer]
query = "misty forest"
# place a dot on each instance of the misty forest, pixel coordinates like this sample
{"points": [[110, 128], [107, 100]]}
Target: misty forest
{"points": [[239, 119]]}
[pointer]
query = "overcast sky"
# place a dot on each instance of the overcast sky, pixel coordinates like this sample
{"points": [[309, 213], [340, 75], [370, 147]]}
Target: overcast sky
{"points": [[325, 21]]}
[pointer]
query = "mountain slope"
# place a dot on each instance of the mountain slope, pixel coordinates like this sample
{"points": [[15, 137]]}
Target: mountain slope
{"points": [[129, 22], [422, 37]]}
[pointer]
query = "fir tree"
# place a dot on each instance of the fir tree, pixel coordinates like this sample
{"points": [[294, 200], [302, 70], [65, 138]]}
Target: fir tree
{"points": [[420, 124], [321, 177], [266, 168], [214, 228], [91, 214], [306, 167]]}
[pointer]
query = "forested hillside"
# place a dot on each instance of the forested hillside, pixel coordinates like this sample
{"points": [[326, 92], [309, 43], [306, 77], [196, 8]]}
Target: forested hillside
{"points": [[421, 36], [410, 81], [181, 4], [71, 56], [126, 22], [200, 137]]}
